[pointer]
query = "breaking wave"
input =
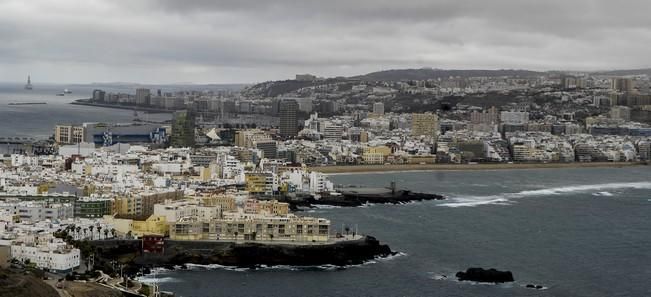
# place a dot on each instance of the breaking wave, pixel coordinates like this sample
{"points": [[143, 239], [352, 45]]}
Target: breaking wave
{"points": [[153, 279], [200, 267], [506, 198]]}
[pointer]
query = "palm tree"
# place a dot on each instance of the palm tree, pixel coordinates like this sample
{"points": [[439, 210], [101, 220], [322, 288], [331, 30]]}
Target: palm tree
{"points": [[113, 232], [106, 232], [85, 230], [99, 231], [78, 230], [91, 231]]}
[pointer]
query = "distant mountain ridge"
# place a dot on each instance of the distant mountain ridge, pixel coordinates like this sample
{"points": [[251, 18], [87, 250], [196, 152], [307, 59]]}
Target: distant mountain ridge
{"points": [[643, 71], [428, 73]]}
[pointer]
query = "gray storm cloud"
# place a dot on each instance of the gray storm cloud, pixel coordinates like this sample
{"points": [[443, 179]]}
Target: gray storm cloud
{"points": [[158, 41]]}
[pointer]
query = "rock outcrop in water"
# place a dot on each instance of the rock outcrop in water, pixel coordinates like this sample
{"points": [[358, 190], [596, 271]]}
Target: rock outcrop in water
{"points": [[485, 275], [359, 196]]}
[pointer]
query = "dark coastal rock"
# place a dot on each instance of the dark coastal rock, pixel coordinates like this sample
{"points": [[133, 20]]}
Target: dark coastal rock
{"points": [[353, 198], [248, 254], [485, 275]]}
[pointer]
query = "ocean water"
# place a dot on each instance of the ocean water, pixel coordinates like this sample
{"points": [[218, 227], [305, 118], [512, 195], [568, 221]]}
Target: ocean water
{"points": [[578, 232], [38, 121]]}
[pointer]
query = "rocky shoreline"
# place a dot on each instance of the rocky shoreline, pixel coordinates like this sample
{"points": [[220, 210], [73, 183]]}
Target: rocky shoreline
{"points": [[248, 255], [352, 198]]}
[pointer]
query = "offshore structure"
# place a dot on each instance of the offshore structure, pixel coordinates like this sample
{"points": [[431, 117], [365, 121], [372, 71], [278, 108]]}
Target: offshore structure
{"points": [[28, 85]]}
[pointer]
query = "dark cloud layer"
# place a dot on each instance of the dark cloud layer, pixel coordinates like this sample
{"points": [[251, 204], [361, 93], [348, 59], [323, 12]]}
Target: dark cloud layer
{"points": [[246, 41]]}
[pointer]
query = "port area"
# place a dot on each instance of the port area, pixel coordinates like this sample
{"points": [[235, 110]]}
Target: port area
{"points": [[27, 103], [88, 102]]}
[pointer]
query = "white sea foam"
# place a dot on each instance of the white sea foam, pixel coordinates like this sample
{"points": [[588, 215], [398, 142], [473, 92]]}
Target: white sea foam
{"points": [[190, 266], [327, 267], [606, 194], [506, 198], [324, 206], [391, 257], [150, 278]]}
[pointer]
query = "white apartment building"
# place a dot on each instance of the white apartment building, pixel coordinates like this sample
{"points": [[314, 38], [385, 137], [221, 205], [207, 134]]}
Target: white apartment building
{"points": [[514, 117], [55, 256], [39, 211], [173, 211]]}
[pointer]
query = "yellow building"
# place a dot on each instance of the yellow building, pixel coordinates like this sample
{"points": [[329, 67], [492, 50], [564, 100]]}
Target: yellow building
{"points": [[273, 207], [254, 227], [424, 124], [248, 138], [225, 202], [205, 174], [363, 137], [259, 183], [68, 134], [142, 204], [376, 154], [153, 225]]}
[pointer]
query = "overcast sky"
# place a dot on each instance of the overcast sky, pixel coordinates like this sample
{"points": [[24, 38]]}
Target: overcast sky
{"points": [[233, 41]]}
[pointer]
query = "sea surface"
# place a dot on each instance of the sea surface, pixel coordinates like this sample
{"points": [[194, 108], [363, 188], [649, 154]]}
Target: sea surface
{"points": [[577, 232], [38, 121]]}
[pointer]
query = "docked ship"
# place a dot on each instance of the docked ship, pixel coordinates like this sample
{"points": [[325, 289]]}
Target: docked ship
{"points": [[29, 86]]}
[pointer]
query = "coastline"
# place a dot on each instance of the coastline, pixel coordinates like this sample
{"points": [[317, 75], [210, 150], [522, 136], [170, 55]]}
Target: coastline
{"points": [[249, 254], [465, 167], [118, 106]]}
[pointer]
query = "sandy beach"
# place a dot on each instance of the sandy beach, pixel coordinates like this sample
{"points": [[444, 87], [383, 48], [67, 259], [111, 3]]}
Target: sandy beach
{"points": [[434, 167]]}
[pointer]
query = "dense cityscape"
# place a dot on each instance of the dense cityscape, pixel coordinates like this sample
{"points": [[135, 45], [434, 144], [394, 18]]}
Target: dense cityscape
{"points": [[231, 166], [546, 118], [325, 148]]}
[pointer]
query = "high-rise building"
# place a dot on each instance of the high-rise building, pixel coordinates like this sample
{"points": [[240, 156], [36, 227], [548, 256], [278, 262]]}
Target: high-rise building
{"points": [[183, 129], [378, 108], [572, 82], [288, 122], [514, 117], [621, 112], [268, 147], [142, 96], [622, 84], [488, 117], [426, 124], [333, 131], [98, 95], [644, 148]]}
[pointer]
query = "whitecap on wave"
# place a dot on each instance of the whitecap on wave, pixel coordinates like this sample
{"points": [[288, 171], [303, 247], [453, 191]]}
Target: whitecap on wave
{"points": [[326, 267], [506, 198], [324, 206], [606, 194], [151, 278]]}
